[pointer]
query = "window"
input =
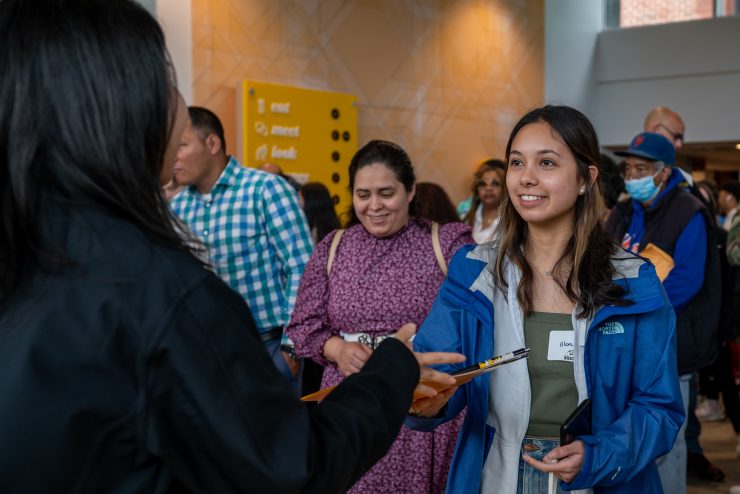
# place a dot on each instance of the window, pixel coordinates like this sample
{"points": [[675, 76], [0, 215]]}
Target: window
{"points": [[632, 13]]}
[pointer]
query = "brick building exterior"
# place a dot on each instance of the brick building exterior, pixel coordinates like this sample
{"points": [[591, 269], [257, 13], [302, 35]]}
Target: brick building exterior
{"points": [[648, 12]]}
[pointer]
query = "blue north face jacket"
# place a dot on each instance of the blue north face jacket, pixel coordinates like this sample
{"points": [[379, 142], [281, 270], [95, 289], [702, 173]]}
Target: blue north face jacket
{"points": [[625, 362]]}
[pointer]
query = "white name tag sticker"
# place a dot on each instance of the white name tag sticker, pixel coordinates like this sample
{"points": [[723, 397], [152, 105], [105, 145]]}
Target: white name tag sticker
{"points": [[560, 346]]}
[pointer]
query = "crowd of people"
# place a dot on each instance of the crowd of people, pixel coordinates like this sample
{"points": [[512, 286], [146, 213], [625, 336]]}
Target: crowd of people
{"points": [[163, 306]]}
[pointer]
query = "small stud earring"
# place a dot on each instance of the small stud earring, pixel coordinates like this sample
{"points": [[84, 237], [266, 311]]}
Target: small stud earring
{"points": [[583, 190]]}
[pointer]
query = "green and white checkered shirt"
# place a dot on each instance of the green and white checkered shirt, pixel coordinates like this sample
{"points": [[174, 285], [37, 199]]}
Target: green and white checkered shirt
{"points": [[256, 235]]}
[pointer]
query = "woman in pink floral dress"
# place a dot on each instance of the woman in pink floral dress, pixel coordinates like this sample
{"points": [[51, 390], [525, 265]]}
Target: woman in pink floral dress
{"points": [[384, 274]]}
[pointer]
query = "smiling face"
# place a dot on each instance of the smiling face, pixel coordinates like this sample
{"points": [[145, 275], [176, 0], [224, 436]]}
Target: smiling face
{"points": [[380, 201], [542, 180]]}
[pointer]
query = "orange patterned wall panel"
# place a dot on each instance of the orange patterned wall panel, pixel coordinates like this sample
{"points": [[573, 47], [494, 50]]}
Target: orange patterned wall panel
{"points": [[444, 79]]}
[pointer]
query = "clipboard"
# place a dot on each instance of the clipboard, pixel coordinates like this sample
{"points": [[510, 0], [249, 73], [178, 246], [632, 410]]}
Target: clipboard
{"points": [[461, 376]]}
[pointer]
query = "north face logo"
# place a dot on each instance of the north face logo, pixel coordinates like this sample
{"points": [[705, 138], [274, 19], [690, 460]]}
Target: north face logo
{"points": [[611, 328]]}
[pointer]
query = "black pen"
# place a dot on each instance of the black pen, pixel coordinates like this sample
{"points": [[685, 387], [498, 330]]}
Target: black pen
{"points": [[509, 357]]}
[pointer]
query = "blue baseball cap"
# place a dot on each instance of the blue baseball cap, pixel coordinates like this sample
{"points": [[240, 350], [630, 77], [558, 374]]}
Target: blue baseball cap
{"points": [[654, 147]]}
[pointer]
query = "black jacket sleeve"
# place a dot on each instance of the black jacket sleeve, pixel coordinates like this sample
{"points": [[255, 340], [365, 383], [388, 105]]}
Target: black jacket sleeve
{"points": [[223, 419]]}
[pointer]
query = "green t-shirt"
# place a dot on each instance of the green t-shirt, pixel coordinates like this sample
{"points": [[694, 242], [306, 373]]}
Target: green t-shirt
{"points": [[554, 395]]}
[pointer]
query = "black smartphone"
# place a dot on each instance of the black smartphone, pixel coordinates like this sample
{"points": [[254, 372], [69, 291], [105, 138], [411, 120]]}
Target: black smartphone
{"points": [[578, 423]]}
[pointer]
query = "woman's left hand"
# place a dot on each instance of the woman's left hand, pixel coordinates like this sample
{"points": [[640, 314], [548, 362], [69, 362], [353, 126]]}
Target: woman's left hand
{"points": [[565, 462]]}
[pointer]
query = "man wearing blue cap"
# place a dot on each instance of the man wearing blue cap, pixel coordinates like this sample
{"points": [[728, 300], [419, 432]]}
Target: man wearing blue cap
{"points": [[665, 223], [666, 122]]}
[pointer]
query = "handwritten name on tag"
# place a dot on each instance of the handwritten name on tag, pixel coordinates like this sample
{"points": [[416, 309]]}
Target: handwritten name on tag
{"points": [[560, 346]]}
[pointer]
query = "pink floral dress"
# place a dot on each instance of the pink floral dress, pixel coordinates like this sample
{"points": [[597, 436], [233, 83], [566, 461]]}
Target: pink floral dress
{"points": [[375, 286]]}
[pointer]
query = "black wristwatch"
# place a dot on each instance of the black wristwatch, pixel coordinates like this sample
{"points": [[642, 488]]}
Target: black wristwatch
{"points": [[290, 350]]}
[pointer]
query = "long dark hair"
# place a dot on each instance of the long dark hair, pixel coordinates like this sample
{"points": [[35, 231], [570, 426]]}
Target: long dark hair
{"points": [[86, 110], [587, 256], [319, 209], [386, 153]]}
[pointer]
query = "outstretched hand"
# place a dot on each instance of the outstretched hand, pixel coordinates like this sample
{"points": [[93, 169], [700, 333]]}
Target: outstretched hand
{"points": [[564, 462], [436, 387]]}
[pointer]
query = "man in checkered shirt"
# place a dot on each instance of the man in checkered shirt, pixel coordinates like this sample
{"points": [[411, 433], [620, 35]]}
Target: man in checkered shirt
{"points": [[252, 225]]}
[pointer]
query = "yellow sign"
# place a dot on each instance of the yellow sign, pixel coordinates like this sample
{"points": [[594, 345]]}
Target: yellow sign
{"points": [[311, 135]]}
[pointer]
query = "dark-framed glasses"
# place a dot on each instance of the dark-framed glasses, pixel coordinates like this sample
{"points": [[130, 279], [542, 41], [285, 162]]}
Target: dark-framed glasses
{"points": [[631, 172], [677, 136]]}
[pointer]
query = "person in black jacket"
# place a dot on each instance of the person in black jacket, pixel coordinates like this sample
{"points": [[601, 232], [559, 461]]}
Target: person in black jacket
{"points": [[664, 222], [125, 365], [668, 123]]}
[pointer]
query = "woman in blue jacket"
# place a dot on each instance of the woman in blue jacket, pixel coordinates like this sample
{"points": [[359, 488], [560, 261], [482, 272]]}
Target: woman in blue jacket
{"points": [[596, 318]]}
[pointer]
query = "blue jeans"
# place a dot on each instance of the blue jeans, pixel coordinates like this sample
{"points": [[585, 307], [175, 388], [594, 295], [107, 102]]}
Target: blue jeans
{"points": [[672, 465], [693, 426], [531, 480]]}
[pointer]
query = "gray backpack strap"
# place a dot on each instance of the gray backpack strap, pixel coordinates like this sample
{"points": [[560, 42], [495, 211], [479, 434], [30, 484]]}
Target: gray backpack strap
{"points": [[438, 249], [333, 249]]}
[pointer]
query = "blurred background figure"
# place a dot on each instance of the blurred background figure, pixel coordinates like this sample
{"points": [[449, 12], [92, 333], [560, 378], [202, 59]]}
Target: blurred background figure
{"points": [[666, 122], [709, 191], [665, 222], [487, 194], [276, 170], [433, 204], [729, 195], [719, 377], [322, 220], [319, 208]]}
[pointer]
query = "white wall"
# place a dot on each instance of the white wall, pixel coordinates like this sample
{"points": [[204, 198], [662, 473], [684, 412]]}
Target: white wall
{"points": [[691, 67], [150, 5], [176, 19], [571, 30], [617, 76]]}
